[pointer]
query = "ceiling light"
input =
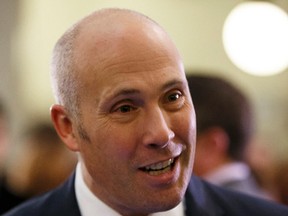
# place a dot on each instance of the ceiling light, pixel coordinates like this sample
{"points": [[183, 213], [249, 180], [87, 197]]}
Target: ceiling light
{"points": [[255, 37]]}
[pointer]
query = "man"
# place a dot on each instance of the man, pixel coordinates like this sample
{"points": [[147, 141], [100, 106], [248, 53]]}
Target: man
{"points": [[124, 105], [42, 164], [224, 130]]}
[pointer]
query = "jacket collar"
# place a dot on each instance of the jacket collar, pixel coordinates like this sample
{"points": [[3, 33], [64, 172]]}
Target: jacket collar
{"points": [[198, 202]]}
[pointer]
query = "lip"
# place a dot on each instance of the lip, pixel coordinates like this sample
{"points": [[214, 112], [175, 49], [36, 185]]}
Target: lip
{"points": [[158, 165], [162, 173]]}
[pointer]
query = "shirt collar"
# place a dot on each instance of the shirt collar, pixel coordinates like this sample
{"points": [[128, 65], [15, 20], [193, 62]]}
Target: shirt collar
{"points": [[230, 172], [90, 205]]}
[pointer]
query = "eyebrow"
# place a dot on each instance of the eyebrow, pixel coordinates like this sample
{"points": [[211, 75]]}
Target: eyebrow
{"points": [[126, 91], [130, 91], [173, 82]]}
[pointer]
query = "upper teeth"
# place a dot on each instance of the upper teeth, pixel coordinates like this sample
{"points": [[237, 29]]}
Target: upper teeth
{"points": [[159, 166]]}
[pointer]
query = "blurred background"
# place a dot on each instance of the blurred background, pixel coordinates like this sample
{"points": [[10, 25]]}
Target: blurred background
{"points": [[30, 28]]}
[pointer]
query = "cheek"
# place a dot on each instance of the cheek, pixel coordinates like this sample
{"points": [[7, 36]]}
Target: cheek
{"points": [[185, 127], [188, 128], [110, 144], [108, 154]]}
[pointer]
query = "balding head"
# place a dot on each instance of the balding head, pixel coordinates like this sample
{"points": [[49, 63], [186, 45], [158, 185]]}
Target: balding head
{"points": [[89, 43], [126, 81]]}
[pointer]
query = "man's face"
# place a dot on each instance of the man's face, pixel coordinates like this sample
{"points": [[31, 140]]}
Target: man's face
{"points": [[139, 124]]}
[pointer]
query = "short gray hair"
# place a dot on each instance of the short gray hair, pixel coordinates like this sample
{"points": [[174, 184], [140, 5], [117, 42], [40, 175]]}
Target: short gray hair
{"points": [[63, 74]]}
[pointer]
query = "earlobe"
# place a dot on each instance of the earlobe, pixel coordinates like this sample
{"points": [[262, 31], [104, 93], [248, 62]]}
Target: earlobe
{"points": [[63, 126]]}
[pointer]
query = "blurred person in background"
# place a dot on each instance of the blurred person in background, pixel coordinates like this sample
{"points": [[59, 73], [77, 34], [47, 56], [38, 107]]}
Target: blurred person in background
{"points": [[224, 128], [4, 137], [40, 164], [263, 164], [270, 170], [5, 195], [281, 182]]}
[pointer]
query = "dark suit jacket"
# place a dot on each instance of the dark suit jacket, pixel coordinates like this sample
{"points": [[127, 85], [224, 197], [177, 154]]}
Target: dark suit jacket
{"points": [[8, 199], [201, 199]]}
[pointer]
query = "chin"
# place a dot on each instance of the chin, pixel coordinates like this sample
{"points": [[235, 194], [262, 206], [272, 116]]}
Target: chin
{"points": [[166, 206], [169, 203]]}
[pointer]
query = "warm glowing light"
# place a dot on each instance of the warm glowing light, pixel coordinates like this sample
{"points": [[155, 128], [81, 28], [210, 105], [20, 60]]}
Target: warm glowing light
{"points": [[255, 37]]}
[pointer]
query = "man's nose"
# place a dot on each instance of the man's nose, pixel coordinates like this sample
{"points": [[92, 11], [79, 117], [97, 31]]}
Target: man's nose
{"points": [[157, 132]]}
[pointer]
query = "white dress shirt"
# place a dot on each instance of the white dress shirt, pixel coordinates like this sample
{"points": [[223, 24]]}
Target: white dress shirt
{"points": [[90, 205], [230, 172]]}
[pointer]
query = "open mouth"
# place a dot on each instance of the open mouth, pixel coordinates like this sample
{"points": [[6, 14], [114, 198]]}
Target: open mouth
{"points": [[159, 168]]}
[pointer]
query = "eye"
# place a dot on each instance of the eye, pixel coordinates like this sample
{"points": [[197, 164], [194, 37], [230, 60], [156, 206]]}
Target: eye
{"points": [[174, 97], [174, 100], [125, 109], [124, 106]]}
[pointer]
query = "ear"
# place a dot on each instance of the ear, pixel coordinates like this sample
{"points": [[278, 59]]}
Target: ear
{"points": [[64, 126], [219, 140]]}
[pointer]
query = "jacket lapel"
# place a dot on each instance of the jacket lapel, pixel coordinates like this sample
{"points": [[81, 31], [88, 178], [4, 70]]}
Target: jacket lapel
{"points": [[198, 202], [62, 201]]}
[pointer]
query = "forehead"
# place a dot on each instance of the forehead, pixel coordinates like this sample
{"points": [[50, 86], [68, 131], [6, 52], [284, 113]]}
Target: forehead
{"points": [[124, 52], [150, 75], [102, 40], [135, 78]]}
